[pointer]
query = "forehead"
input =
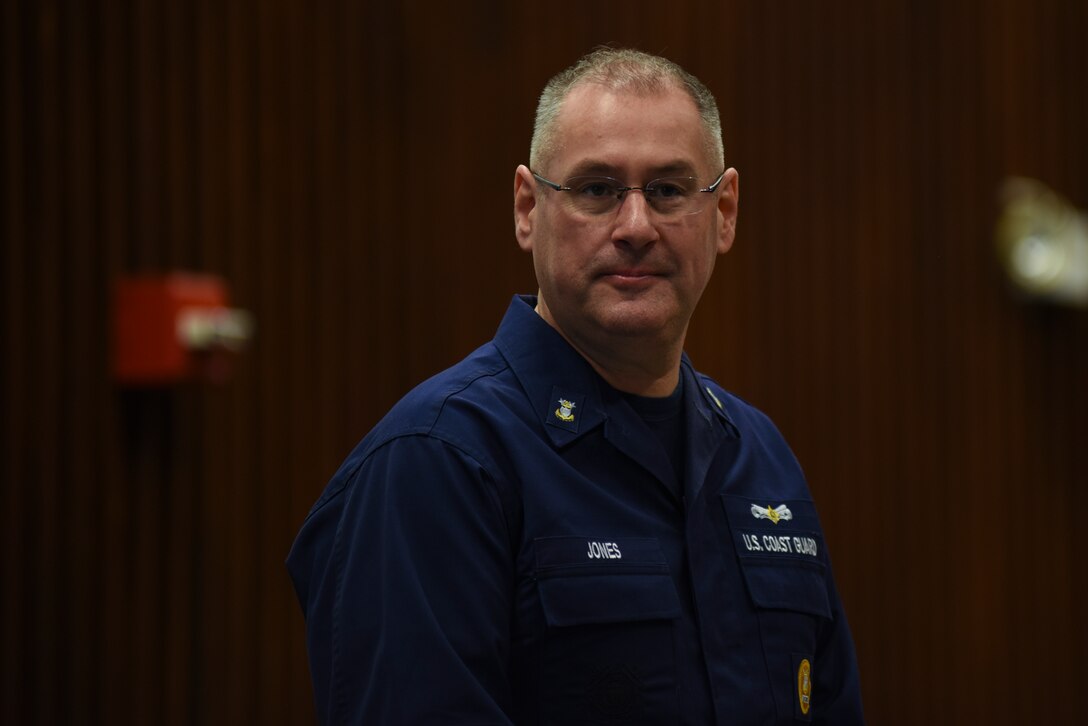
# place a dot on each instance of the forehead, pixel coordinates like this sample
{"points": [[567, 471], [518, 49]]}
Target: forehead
{"points": [[630, 132]]}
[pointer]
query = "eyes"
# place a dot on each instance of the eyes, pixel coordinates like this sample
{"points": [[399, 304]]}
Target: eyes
{"points": [[598, 196], [601, 187]]}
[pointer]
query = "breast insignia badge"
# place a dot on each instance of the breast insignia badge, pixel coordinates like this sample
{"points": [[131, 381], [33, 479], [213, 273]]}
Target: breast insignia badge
{"points": [[776, 514], [565, 412], [804, 686]]}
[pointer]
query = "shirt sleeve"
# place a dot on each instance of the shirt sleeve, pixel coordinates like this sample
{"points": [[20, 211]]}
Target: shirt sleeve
{"points": [[836, 688], [406, 578]]}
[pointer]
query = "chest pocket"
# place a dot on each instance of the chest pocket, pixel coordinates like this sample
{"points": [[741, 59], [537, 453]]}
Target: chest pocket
{"points": [[607, 653], [780, 551], [584, 580]]}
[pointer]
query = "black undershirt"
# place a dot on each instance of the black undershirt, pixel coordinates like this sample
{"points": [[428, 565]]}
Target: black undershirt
{"points": [[665, 417]]}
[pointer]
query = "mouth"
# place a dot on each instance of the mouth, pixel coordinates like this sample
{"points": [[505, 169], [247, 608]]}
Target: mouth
{"points": [[630, 277], [630, 273]]}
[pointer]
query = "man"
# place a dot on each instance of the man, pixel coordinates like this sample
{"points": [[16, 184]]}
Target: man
{"points": [[572, 526]]}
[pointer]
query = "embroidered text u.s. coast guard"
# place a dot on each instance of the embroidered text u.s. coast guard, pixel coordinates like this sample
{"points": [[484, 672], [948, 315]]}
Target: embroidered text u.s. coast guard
{"points": [[780, 544]]}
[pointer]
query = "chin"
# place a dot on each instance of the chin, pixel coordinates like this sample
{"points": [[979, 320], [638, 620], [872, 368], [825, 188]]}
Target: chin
{"points": [[636, 322]]}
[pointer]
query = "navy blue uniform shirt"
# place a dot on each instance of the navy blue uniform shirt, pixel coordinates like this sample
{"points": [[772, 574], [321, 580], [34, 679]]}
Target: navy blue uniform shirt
{"points": [[510, 545]]}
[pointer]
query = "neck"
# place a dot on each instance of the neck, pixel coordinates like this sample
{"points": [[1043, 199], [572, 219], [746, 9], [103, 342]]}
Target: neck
{"points": [[639, 382], [643, 365]]}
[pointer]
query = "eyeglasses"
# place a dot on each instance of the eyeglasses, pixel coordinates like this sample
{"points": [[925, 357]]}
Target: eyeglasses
{"points": [[676, 196]]}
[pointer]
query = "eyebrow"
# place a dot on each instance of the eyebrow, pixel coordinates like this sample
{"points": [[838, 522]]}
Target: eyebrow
{"points": [[593, 167]]}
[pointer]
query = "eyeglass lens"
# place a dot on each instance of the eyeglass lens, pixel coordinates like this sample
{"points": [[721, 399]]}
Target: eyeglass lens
{"points": [[672, 196]]}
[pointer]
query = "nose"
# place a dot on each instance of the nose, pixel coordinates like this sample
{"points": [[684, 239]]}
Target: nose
{"points": [[634, 223]]}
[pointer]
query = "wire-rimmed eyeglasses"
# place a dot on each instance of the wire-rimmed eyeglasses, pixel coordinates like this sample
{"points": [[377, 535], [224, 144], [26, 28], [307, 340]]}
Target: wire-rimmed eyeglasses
{"points": [[675, 196]]}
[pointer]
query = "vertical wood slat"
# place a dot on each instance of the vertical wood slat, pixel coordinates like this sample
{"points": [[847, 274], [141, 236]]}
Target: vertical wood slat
{"points": [[112, 124], [212, 203], [148, 414], [44, 344], [287, 85], [183, 463], [81, 521], [14, 493]]}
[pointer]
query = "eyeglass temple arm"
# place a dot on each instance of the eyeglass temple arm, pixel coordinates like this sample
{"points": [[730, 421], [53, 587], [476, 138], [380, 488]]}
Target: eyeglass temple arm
{"points": [[717, 181], [553, 185]]}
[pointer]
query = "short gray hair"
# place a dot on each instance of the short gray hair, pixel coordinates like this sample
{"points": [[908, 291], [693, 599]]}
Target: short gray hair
{"points": [[621, 69]]}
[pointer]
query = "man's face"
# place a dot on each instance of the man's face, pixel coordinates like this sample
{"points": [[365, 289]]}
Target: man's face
{"points": [[632, 274]]}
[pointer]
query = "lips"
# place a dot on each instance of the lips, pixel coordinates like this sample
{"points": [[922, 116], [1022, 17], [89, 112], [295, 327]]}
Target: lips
{"points": [[633, 273], [630, 279]]}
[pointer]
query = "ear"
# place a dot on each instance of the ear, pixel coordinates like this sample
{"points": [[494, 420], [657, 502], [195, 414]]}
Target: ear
{"points": [[524, 205], [728, 200]]}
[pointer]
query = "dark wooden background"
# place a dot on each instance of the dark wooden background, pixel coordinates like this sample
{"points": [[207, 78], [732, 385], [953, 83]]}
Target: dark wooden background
{"points": [[348, 167]]}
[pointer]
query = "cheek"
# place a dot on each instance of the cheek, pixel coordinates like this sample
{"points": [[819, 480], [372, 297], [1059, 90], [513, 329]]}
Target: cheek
{"points": [[556, 271], [562, 251], [701, 267], [550, 261]]}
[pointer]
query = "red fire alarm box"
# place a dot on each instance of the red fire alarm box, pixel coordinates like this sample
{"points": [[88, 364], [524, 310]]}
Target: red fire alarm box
{"points": [[174, 327]]}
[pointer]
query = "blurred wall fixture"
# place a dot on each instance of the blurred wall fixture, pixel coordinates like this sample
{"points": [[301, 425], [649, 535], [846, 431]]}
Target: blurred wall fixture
{"points": [[175, 327], [1042, 240]]}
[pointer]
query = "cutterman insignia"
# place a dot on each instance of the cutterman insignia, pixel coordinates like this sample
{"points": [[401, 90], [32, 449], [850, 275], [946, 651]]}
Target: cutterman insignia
{"points": [[565, 412], [781, 512]]}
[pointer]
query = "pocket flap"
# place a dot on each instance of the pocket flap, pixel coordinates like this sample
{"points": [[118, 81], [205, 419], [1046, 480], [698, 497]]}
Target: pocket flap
{"points": [[796, 587], [585, 580], [603, 598]]}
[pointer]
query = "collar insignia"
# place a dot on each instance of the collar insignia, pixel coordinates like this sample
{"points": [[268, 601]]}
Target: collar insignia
{"points": [[714, 398], [776, 514], [565, 416]]}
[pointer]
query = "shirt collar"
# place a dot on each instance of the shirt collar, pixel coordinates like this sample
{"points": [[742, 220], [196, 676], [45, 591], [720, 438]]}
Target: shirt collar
{"points": [[561, 385], [566, 393], [708, 404]]}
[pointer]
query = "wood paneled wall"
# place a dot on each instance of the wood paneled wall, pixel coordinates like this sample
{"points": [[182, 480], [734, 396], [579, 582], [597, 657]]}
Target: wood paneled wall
{"points": [[348, 167]]}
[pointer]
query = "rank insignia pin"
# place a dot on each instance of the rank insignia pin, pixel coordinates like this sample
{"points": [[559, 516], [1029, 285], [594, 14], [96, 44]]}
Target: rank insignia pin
{"points": [[714, 398]]}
